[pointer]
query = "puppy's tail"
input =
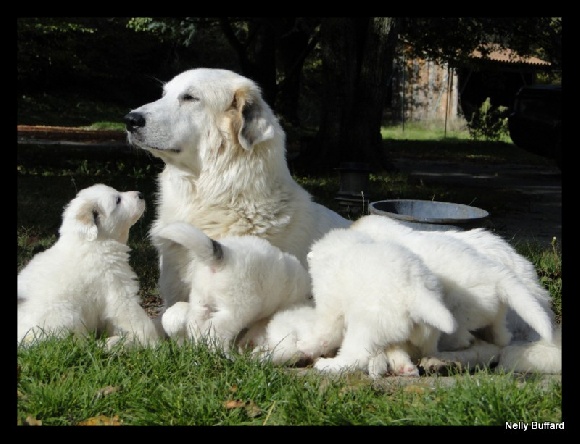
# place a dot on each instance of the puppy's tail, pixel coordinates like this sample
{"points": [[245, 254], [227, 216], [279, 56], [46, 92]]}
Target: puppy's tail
{"points": [[539, 356], [515, 294], [193, 239], [429, 308]]}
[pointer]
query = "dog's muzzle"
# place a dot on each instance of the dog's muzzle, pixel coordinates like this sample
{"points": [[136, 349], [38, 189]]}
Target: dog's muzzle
{"points": [[134, 121]]}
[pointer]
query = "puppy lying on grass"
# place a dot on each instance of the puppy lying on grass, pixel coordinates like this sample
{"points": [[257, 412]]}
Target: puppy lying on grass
{"points": [[477, 289], [487, 285], [371, 298], [84, 283]]}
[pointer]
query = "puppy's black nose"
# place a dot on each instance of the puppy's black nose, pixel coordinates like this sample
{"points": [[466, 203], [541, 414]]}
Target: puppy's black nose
{"points": [[134, 120], [139, 195]]}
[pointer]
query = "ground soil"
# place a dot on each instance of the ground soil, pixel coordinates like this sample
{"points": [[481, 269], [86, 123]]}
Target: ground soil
{"points": [[63, 133]]}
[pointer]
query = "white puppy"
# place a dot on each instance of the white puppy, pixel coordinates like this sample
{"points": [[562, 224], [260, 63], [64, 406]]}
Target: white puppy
{"points": [[276, 338], [537, 356], [234, 283], [84, 282], [225, 170], [477, 290], [369, 296], [496, 248], [528, 351]]}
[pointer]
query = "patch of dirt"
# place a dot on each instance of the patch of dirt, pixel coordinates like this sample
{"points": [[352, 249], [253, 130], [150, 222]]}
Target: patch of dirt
{"points": [[75, 134]]}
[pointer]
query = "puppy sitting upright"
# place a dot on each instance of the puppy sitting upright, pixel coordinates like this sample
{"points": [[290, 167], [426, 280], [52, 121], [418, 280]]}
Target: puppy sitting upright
{"points": [[234, 283], [84, 282]]}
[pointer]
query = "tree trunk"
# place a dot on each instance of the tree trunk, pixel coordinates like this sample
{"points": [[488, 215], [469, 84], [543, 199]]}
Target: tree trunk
{"points": [[297, 38], [257, 53], [357, 61]]}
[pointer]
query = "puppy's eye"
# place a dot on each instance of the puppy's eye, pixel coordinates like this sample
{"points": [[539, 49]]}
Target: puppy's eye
{"points": [[188, 98], [118, 200]]}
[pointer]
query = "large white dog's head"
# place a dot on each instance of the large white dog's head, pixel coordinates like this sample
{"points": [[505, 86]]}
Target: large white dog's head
{"points": [[101, 212], [203, 114]]}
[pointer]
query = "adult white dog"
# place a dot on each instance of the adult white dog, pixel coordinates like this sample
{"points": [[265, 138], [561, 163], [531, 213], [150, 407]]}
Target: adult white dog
{"points": [[84, 283], [225, 170], [234, 283]]}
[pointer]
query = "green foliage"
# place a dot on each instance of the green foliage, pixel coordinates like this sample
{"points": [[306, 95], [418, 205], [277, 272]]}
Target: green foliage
{"points": [[453, 39], [488, 122], [181, 30]]}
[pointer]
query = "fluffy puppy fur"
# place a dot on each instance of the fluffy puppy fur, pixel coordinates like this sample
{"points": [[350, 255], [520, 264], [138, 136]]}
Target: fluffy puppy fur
{"points": [[369, 296], [84, 282], [528, 351], [477, 289], [276, 338], [496, 248], [225, 170], [234, 283], [539, 356]]}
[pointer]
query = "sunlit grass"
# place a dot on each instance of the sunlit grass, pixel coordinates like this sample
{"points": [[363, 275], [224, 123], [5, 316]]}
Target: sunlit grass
{"points": [[430, 131]]}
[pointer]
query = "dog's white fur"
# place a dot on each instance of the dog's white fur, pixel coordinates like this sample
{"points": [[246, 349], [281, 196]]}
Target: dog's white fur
{"points": [[477, 290], [225, 170], [84, 283], [276, 338], [539, 356], [233, 283], [368, 296], [528, 351], [496, 248]]}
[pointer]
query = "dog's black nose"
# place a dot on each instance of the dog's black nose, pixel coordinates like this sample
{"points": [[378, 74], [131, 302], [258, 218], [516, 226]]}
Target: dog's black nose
{"points": [[139, 195], [134, 120]]}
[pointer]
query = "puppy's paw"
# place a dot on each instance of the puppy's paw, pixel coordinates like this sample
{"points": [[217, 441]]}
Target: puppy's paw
{"points": [[400, 363], [378, 366], [436, 366], [334, 365], [405, 370], [114, 342], [327, 365]]}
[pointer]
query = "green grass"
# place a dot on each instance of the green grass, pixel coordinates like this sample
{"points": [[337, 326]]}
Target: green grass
{"points": [[67, 381], [424, 131], [73, 382]]}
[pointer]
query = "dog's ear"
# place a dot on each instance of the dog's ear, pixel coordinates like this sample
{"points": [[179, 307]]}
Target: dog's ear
{"points": [[253, 121], [82, 220]]}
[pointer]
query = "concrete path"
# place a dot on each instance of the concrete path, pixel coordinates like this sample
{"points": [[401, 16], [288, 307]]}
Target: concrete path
{"points": [[537, 217]]}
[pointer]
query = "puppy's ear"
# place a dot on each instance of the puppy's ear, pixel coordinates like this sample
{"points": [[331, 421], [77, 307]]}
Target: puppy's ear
{"points": [[82, 220], [253, 121]]}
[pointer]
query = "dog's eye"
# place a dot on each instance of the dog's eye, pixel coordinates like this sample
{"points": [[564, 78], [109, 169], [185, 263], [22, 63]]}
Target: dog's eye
{"points": [[189, 98], [118, 200]]}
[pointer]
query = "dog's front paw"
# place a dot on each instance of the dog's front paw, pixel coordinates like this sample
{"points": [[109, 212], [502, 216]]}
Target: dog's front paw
{"points": [[334, 365], [405, 370], [378, 366], [432, 366], [327, 365], [113, 342]]}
